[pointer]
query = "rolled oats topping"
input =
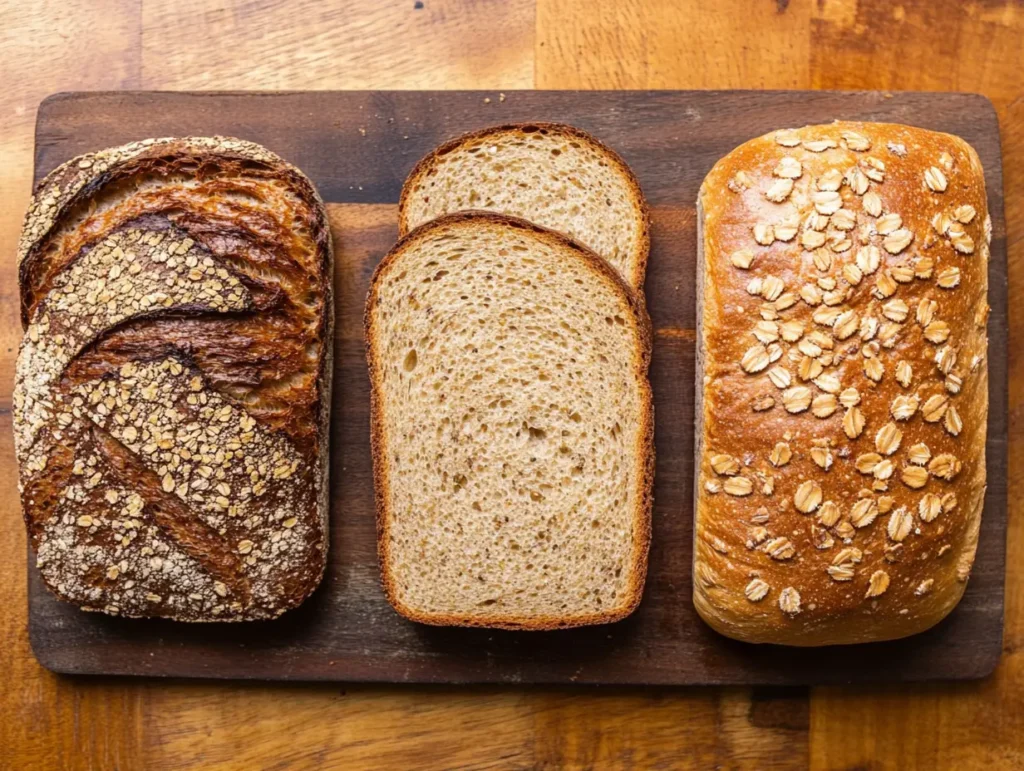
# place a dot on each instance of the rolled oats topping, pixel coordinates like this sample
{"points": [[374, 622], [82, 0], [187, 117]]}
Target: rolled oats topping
{"points": [[863, 512], [853, 422], [945, 466], [914, 477], [901, 522], [788, 168], [819, 145], [872, 204], [780, 454], [757, 590], [807, 497], [929, 507], [725, 465], [789, 601], [796, 399], [878, 584], [828, 514], [779, 549], [904, 407], [738, 486], [935, 179], [919, 454], [742, 258], [844, 564], [779, 190]]}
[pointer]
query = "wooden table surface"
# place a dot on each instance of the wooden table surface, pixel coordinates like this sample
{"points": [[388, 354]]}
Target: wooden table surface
{"points": [[50, 722]]}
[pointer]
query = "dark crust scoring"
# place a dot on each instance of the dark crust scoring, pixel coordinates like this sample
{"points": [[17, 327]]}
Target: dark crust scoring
{"points": [[645, 452], [926, 568], [252, 358], [424, 164]]}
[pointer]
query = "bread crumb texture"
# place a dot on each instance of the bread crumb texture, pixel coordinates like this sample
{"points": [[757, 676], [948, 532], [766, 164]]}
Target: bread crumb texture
{"points": [[167, 404], [554, 175], [512, 428], [841, 435]]}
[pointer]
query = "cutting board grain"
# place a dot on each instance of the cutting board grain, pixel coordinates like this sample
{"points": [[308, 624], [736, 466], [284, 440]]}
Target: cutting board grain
{"points": [[358, 147]]}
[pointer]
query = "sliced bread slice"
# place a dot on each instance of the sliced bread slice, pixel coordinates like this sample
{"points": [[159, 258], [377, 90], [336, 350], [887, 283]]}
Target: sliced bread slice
{"points": [[555, 175], [512, 427]]}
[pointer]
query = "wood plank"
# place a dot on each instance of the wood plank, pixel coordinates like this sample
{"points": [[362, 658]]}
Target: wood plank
{"points": [[355, 44], [496, 728], [662, 45], [51, 45], [919, 46], [347, 631]]}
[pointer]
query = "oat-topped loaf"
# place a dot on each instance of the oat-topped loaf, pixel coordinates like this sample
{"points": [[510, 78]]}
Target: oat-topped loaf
{"points": [[842, 383], [172, 389]]}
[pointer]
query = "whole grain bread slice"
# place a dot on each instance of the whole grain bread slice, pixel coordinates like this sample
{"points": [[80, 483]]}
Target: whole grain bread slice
{"points": [[512, 427], [555, 175]]}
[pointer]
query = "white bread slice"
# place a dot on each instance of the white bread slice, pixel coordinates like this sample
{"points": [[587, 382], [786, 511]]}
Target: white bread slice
{"points": [[512, 427], [554, 175]]}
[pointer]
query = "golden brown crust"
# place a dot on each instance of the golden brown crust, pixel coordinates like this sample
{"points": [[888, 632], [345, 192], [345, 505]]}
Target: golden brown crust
{"points": [[858, 262], [425, 164], [645, 451], [172, 395]]}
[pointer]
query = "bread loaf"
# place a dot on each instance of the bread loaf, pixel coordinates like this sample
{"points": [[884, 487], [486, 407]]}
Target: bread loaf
{"points": [[512, 427], [842, 383], [172, 390], [554, 175]]}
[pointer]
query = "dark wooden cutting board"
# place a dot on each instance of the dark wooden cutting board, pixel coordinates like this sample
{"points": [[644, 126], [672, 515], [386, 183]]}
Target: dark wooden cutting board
{"points": [[357, 147]]}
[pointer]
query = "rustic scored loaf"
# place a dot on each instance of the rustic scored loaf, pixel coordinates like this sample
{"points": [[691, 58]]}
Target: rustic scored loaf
{"points": [[512, 427], [172, 389], [554, 175], [842, 383]]}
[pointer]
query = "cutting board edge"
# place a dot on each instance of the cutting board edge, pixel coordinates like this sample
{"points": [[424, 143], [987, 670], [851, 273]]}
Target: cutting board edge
{"points": [[992, 652]]}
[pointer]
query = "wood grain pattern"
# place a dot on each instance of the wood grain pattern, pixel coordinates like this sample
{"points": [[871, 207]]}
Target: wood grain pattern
{"points": [[358, 161], [55, 722], [660, 45], [438, 45]]}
